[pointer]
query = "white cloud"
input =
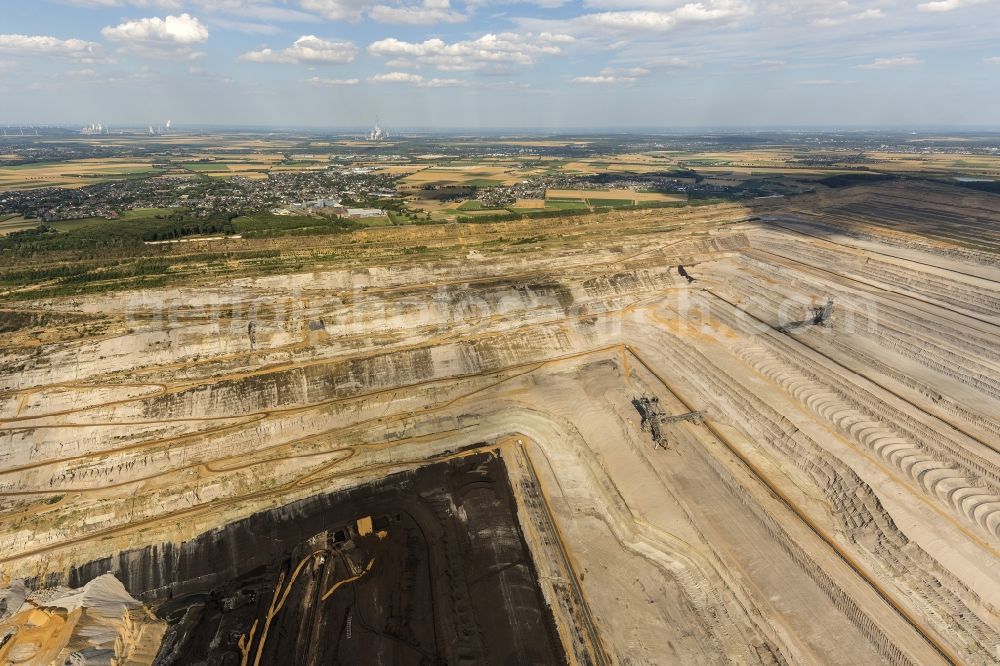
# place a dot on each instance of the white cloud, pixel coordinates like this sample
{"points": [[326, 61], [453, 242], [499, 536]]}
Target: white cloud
{"points": [[628, 75], [502, 49], [712, 11], [602, 79], [683, 8], [442, 83], [626, 71], [662, 21], [669, 63], [329, 83], [246, 27], [614, 75], [544, 4], [822, 82], [158, 4], [416, 80], [258, 10], [40, 45], [888, 63], [596, 79], [170, 37], [338, 10], [397, 77], [428, 13], [632, 20], [866, 15], [767, 63], [308, 49], [948, 5], [992, 61], [183, 29]]}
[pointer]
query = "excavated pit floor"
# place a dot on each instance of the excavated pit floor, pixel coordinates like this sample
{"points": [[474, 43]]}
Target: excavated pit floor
{"points": [[423, 567]]}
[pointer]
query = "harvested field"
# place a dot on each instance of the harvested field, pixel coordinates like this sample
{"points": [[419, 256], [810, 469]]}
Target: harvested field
{"points": [[637, 197], [758, 433], [13, 223], [472, 175], [530, 203], [72, 173]]}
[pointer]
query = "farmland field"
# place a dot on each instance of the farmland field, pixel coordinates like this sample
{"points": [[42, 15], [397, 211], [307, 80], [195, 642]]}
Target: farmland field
{"points": [[12, 223], [471, 204], [613, 203], [530, 203], [473, 175], [73, 173], [638, 197], [565, 204]]}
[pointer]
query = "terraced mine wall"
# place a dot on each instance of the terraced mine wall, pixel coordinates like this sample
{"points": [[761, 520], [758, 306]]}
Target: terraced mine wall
{"points": [[933, 218], [858, 511], [840, 505]]}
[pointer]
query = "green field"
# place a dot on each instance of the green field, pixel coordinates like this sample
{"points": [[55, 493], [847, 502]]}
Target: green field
{"points": [[610, 203], [206, 166], [150, 224], [150, 214], [565, 204], [146, 212], [31, 165], [114, 171], [382, 221], [82, 223], [705, 161], [269, 224], [484, 211]]}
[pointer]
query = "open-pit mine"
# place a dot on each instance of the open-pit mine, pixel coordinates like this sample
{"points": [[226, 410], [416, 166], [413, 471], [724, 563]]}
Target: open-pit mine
{"points": [[764, 432]]}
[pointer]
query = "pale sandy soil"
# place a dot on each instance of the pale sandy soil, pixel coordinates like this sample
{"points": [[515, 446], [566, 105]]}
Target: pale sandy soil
{"points": [[837, 500], [98, 622]]}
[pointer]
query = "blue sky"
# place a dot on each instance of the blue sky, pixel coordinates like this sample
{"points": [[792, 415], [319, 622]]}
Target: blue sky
{"points": [[450, 64]]}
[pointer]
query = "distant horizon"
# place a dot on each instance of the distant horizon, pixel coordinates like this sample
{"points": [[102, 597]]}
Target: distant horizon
{"points": [[181, 128]]}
